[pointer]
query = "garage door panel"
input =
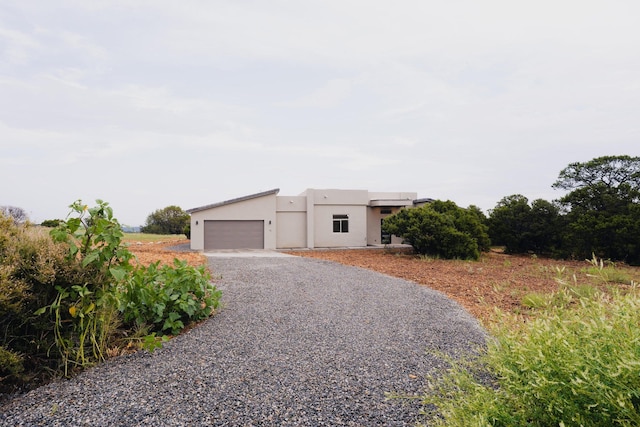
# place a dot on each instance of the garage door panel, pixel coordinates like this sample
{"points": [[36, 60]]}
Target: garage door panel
{"points": [[231, 234]]}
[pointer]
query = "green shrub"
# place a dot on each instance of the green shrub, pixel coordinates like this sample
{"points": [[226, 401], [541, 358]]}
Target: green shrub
{"points": [[441, 229], [167, 297], [11, 364], [60, 293], [576, 366], [31, 265]]}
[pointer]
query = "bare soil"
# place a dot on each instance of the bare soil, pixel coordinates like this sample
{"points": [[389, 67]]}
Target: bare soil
{"points": [[495, 281], [149, 252]]}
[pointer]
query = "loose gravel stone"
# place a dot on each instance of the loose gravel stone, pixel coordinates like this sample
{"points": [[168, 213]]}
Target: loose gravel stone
{"points": [[298, 342]]}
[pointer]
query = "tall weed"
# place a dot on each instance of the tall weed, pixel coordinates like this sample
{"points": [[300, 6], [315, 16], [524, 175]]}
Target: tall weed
{"points": [[606, 271], [82, 312]]}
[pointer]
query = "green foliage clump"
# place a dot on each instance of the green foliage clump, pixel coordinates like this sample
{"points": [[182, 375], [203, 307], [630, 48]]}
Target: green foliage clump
{"points": [[603, 208], [51, 223], [65, 294], [31, 266], [169, 220], [167, 297], [441, 229], [83, 314], [522, 228], [11, 364], [574, 364], [599, 215]]}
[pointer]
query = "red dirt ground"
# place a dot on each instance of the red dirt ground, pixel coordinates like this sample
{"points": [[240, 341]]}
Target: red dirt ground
{"points": [[148, 252]]}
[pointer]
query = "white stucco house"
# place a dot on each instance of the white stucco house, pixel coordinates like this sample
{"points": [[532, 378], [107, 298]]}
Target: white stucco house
{"points": [[313, 219]]}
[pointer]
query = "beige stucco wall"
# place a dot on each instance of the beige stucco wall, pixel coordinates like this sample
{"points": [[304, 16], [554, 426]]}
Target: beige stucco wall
{"points": [[339, 197], [292, 230], [322, 204], [261, 208], [407, 198], [292, 222], [323, 230], [291, 204]]}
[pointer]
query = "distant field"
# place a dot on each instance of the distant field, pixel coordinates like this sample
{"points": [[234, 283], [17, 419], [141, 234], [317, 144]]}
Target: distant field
{"points": [[144, 237]]}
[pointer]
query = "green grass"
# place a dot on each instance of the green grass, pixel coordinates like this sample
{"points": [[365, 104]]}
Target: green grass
{"points": [[144, 237], [572, 364], [607, 272]]}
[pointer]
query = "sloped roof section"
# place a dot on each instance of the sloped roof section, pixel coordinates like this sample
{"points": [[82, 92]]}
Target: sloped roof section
{"points": [[236, 200]]}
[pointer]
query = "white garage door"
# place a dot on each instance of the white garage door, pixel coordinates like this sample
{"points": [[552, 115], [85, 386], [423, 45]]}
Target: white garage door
{"points": [[233, 235]]}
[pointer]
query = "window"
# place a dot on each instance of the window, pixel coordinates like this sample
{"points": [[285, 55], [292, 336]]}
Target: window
{"points": [[385, 211], [341, 223]]}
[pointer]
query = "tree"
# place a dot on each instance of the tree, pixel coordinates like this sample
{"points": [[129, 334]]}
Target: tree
{"points": [[170, 220], [522, 228], [18, 215], [441, 229], [602, 208], [610, 171], [52, 223]]}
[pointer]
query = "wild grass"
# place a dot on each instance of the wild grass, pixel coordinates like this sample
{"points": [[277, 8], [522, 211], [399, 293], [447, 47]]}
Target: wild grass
{"points": [[607, 271], [574, 361]]}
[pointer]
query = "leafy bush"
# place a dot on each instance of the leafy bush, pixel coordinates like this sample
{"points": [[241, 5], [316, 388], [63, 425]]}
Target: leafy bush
{"points": [[166, 297], [441, 229], [574, 365], [65, 293], [83, 313], [31, 266]]}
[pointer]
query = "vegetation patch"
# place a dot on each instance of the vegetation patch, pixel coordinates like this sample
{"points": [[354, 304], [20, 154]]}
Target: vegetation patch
{"points": [[576, 363], [70, 296]]}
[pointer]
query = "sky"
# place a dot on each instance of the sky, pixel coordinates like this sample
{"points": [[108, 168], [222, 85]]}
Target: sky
{"points": [[147, 104]]}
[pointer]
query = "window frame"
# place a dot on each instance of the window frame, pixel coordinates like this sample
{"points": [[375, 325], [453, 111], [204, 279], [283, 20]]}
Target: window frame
{"points": [[340, 223]]}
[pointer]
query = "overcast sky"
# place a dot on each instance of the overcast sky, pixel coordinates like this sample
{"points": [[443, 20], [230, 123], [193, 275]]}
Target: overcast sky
{"points": [[147, 104]]}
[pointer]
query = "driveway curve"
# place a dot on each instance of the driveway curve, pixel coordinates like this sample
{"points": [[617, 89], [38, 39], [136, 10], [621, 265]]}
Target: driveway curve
{"points": [[299, 342]]}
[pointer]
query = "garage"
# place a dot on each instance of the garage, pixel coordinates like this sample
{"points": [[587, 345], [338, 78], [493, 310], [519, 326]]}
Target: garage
{"points": [[233, 234]]}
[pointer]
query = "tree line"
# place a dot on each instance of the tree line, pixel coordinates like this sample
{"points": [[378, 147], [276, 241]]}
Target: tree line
{"points": [[600, 215]]}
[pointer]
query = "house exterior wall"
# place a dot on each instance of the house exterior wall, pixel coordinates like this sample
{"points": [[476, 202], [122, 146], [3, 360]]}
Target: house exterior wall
{"points": [[401, 198], [307, 220], [291, 230], [323, 229], [291, 220], [325, 203], [262, 208]]}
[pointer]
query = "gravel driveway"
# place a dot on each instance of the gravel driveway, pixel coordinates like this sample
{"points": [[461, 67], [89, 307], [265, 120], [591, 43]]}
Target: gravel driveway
{"points": [[298, 342]]}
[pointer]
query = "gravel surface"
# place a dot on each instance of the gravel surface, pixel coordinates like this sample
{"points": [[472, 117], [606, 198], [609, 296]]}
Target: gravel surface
{"points": [[298, 342]]}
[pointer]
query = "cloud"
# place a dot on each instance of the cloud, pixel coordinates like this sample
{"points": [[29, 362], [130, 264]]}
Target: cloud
{"points": [[330, 95], [18, 46]]}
